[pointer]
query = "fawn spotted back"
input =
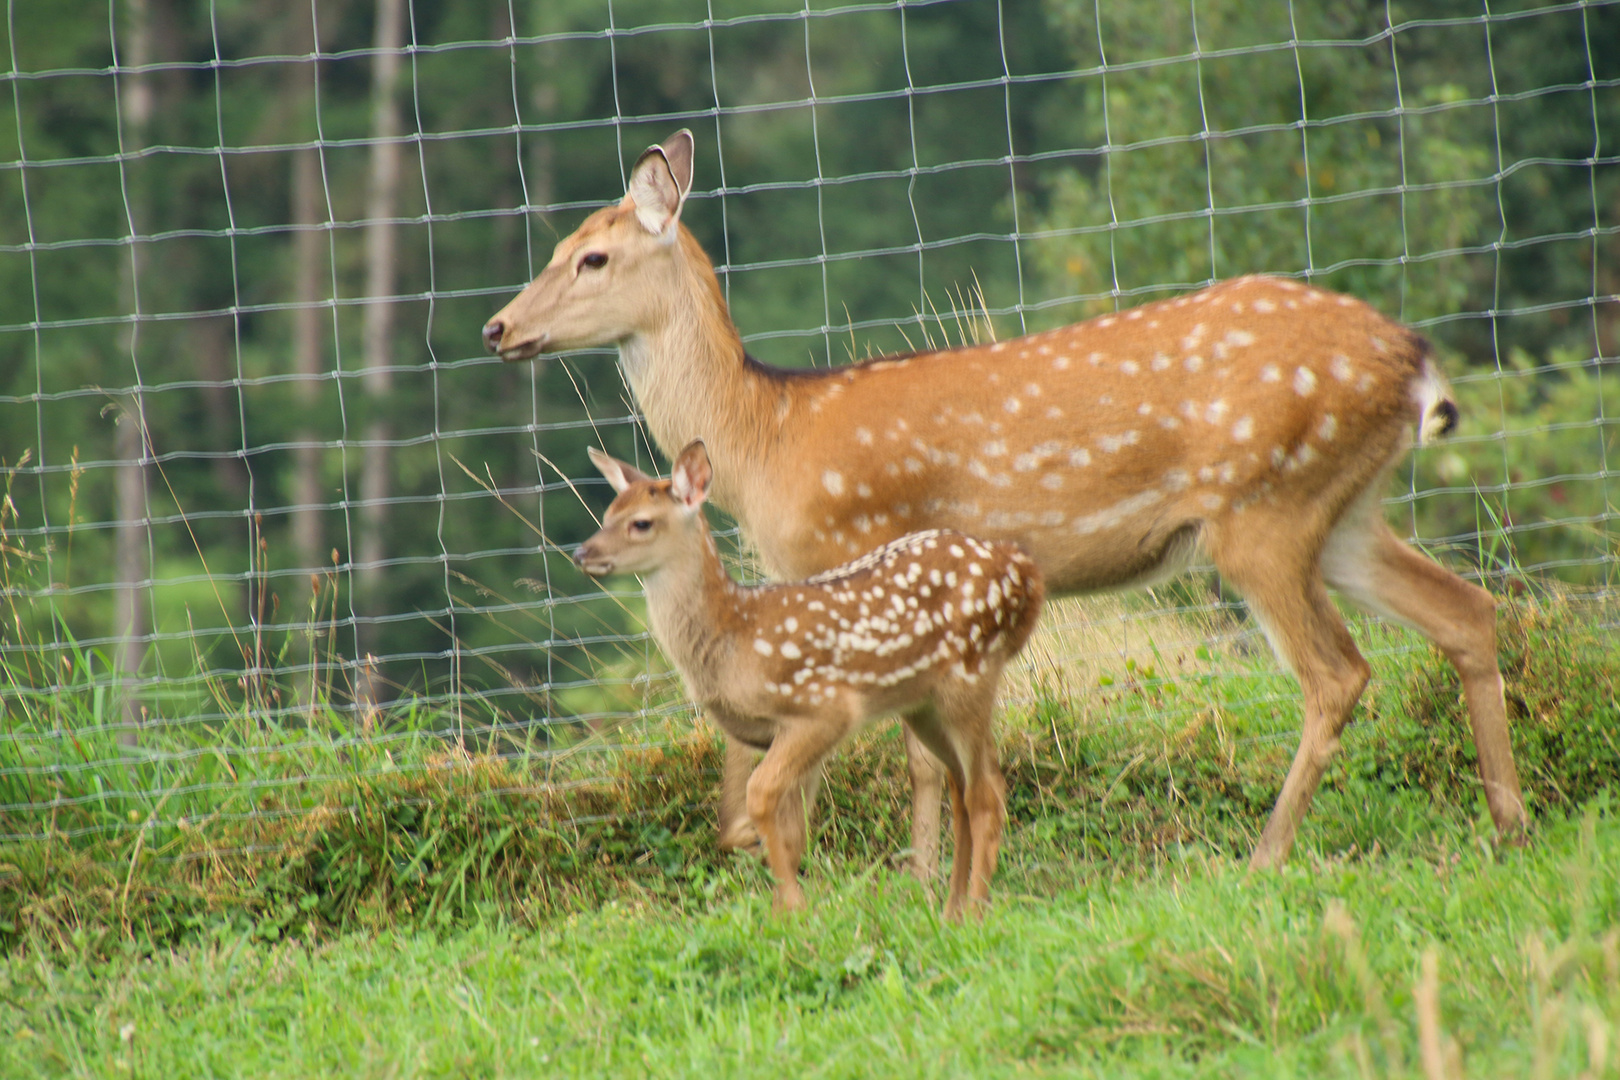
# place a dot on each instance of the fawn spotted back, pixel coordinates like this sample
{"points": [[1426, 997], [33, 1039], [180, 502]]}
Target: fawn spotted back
{"points": [[924, 625]]}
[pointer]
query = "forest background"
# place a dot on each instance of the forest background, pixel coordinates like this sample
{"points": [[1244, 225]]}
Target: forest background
{"points": [[245, 254]]}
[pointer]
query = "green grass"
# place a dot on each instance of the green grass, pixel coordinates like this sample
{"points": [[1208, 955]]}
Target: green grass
{"points": [[1194, 968], [386, 906]]}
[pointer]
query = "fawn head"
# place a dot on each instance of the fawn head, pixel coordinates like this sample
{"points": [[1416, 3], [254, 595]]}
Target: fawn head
{"points": [[621, 257], [650, 521]]}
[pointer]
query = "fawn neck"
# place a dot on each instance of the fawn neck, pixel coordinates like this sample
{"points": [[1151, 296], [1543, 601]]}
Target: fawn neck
{"points": [[693, 608]]}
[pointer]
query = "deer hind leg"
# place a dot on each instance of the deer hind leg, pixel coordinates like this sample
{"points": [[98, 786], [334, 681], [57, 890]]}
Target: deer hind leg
{"points": [[776, 802], [927, 792], [1284, 590], [959, 731], [1366, 562]]}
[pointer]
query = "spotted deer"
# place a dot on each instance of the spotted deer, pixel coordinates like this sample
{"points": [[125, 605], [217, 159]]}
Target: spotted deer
{"points": [[1256, 421], [923, 625]]}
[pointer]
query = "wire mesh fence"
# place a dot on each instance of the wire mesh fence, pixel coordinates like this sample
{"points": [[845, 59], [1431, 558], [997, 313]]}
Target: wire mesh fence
{"points": [[265, 493]]}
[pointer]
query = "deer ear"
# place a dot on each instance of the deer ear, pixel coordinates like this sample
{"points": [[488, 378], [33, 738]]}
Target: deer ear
{"points": [[620, 474], [690, 478], [659, 183]]}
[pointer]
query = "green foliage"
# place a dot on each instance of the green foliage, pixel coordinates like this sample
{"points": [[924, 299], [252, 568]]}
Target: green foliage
{"points": [[1206, 172], [1533, 446], [1500, 966], [857, 175], [296, 831]]}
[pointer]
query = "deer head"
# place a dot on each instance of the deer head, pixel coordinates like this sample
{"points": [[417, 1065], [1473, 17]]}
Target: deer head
{"points": [[626, 252]]}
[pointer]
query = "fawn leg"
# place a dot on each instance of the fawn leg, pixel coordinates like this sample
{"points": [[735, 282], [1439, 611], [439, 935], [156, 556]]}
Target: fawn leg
{"points": [[736, 831], [966, 713], [928, 725], [927, 792], [775, 797]]}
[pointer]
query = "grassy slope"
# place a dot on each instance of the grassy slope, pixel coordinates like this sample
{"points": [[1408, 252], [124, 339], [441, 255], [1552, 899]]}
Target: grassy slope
{"points": [[444, 919], [1197, 968]]}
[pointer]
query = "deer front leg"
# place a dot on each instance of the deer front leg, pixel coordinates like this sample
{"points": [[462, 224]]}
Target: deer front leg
{"points": [[736, 830], [775, 801]]}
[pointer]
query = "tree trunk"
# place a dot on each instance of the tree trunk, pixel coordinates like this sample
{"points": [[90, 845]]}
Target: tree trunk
{"points": [[132, 543], [378, 331]]}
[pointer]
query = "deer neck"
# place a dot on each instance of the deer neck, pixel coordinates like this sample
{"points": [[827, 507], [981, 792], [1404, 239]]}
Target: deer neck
{"points": [[691, 378], [690, 603]]}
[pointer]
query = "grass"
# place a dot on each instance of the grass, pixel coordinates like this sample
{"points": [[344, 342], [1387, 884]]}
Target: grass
{"points": [[286, 903], [1332, 967]]}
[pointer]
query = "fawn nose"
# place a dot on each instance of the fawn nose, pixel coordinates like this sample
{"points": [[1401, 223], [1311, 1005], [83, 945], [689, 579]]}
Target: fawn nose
{"points": [[494, 330]]}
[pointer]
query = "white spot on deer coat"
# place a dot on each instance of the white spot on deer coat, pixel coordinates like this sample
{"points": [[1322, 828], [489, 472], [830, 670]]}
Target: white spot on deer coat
{"points": [[863, 436], [1269, 373], [1304, 381], [763, 647], [1341, 368], [1193, 362], [1160, 361], [1111, 516], [1243, 430], [1012, 404], [789, 650], [1080, 457], [1112, 444], [1052, 481], [1327, 428], [1130, 367], [833, 482]]}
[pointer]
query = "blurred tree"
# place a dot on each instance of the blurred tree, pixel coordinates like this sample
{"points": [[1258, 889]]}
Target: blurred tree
{"points": [[1223, 148]]}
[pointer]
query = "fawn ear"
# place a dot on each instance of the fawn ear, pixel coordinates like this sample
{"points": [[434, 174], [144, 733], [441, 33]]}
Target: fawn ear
{"points": [[620, 474], [690, 478], [659, 182]]}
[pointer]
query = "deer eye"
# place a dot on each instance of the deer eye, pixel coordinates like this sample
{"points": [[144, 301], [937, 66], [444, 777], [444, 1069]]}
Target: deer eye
{"points": [[641, 525], [595, 260]]}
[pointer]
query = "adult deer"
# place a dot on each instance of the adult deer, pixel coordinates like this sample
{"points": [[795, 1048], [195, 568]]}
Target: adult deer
{"points": [[923, 625], [1258, 420]]}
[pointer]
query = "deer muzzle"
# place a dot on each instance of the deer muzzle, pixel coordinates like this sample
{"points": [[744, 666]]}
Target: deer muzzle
{"points": [[590, 558]]}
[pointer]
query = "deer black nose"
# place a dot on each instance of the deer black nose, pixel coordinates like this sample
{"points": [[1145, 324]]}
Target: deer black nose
{"points": [[494, 330]]}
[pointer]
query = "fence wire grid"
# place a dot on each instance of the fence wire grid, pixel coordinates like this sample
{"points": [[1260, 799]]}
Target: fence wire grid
{"points": [[261, 477]]}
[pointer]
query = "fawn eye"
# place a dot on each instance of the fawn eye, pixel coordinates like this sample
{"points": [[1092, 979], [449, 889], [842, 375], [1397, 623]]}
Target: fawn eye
{"points": [[641, 525], [595, 260]]}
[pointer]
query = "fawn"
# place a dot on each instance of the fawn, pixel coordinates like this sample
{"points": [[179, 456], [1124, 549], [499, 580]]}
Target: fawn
{"points": [[922, 626]]}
